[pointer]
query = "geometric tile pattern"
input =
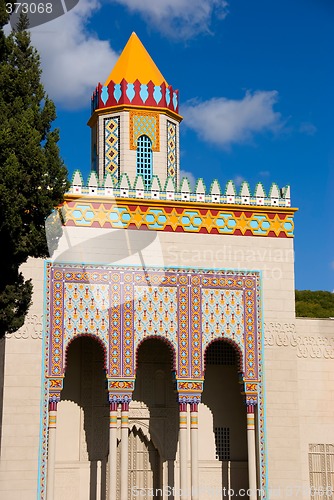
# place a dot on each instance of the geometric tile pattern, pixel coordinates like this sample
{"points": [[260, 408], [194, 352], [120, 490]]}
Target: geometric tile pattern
{"points": [[181, 218], [120, 306], [155, 313], [144, 123], [171, 150], [86, 310], [111, 146], [222, 313]]}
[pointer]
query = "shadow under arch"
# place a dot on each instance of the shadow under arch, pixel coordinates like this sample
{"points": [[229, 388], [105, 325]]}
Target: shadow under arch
{"points": [[162, 339], [154, 395], [239, 357], [222, 395], [90, 336], [84, 386]]}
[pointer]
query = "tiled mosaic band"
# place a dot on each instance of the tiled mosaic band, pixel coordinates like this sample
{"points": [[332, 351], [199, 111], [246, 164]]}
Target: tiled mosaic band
{"points": [[183, 218]]}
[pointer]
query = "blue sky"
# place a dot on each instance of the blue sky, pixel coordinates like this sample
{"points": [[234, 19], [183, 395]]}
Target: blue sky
{"points": [[256, 84]]}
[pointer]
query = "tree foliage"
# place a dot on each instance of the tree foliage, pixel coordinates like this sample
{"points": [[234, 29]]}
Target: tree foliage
{"points": [[318, 304], [33, 178]]}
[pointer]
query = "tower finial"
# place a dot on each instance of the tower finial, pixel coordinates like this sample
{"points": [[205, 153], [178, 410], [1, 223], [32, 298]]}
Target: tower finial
{"points": [[135, 63]]}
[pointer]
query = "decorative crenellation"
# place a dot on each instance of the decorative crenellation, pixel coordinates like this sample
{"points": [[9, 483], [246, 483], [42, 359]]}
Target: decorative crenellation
{"points": [[135, 94], [122, 188]]}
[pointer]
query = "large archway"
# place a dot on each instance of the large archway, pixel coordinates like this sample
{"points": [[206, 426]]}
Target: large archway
{"points": [[222, 396], [153, 418], [82, 430]]}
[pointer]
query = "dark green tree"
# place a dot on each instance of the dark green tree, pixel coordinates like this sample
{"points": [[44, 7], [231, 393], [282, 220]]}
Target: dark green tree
{"points": [[314, 304], [33, 178]]}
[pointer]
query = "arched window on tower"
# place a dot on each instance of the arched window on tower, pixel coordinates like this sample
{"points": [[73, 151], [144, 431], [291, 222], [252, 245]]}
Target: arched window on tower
{"points": [[145, 159]]}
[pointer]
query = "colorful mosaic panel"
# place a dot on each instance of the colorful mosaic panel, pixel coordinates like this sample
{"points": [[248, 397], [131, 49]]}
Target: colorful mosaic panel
{"points": [[145, 123], [86, 311], [195, 321], [128, 355], [121, 306], [129, 215], [184, 351], [115, 368], [237, 304], [223, 314], [171, 150], [196, 294], [111, 146], [155, 313], [43, 433]]}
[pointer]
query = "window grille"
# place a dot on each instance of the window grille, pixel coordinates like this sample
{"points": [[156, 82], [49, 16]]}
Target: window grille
{"points": [[144, 159], [321, 469], [220, 353], [222, 438]]}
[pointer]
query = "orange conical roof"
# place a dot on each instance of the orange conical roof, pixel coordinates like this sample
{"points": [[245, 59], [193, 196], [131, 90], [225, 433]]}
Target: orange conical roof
{"points": [[135, 63]]}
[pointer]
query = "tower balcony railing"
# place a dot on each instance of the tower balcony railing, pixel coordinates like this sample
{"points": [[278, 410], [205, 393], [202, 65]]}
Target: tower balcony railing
{"points": [[122, 188]]}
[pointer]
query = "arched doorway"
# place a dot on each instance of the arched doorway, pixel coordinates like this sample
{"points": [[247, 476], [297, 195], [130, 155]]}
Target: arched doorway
{"points": [[223, 397], [153, 418], [82, 443]]}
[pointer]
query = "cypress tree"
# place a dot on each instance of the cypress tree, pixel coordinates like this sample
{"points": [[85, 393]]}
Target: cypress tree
{"points": [[33, 178]]}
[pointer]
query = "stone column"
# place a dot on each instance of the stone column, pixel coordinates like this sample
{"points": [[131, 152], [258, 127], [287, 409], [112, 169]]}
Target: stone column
{"points": [[183, 451], [50, 479], [251, 452], [124, 451], [194, 450], [112, 451]]}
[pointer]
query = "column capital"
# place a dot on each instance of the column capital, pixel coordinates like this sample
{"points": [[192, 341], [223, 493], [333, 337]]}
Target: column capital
{"points": [[120, 390], [53, 405], [194, 407], [249, 389], [113, 406], [183, 407], [55, 388], [189, 391], [125, 406], [250, 400], [250, 408]]}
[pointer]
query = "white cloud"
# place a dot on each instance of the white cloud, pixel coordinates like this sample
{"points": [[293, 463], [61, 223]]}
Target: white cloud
{"points": [[225, 122], [178, 18], [307, 128], [190, 176], [73, 59], [238, 180]]}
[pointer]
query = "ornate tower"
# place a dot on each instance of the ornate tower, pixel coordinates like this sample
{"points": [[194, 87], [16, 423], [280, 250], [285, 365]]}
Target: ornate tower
{"points": [[135, 121]]}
